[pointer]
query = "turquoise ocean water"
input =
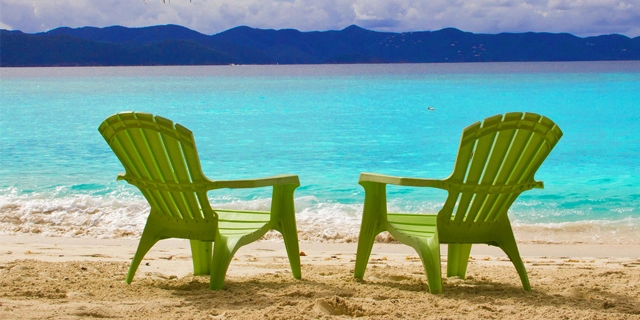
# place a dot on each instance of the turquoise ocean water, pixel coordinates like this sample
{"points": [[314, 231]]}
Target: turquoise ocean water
{"points": [[326, 123]]}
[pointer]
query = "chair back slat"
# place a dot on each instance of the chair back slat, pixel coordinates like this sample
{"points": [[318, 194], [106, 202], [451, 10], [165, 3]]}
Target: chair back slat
{"points": [[176, 168], [497, 152], [481, 152], [530, 160], [168, 172], [494, 164], [161, 159], [194, 169], [464, 158], [149, 145], [507, 175]]}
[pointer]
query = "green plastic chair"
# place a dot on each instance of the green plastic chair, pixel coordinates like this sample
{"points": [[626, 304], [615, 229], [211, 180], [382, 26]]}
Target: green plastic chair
{"points": [[161, 160], [496, 161]]}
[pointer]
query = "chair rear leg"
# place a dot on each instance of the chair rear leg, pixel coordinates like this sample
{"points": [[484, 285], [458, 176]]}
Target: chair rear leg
{"points": [[510, 247], [458, 259], [148, 239], [201, 255]]}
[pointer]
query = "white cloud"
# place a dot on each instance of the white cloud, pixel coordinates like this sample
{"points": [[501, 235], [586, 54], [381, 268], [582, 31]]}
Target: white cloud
{"points": [[580, 17]]}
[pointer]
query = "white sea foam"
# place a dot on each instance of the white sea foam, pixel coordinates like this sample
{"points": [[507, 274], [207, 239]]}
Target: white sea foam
{"points": [[80, 215], [124, 215]]}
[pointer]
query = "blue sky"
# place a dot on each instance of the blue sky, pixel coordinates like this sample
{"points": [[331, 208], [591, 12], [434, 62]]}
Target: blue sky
{"points": [[579, 17]]}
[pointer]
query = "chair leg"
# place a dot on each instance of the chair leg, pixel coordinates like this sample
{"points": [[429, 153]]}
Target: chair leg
{"points": [[457, 259], [510, 247], [148, 239], [283, 209], [429, 252], [290, 237], [201, 256], [375, 207], [365, 245], [223, 251]]}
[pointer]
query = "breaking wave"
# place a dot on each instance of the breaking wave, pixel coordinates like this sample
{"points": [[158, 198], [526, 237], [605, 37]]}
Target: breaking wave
{"points": [[123, 215]]}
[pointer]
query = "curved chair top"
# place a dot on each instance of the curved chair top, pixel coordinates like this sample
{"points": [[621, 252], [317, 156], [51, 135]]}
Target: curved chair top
{"points": [[535, 123]]}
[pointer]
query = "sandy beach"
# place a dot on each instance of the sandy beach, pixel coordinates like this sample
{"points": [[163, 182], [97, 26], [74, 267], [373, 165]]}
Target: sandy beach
{"points": [[73, 278]]}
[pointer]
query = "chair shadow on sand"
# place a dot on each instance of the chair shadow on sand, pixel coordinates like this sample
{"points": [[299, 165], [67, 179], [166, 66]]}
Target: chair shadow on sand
{"points": [[364, 295]]}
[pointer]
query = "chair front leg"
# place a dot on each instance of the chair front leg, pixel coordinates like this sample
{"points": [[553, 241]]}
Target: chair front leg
{"points": [[223, 250], [284, 216], [373, 216], [429, 252], [508, 244]]}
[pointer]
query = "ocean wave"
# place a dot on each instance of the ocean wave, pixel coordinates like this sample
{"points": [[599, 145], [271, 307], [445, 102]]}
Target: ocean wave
{"points": [[79, 215], [123, 215]]}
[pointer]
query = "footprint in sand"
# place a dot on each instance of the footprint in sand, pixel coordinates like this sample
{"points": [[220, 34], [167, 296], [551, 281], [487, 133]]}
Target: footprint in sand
{"points": [[337, 306]]}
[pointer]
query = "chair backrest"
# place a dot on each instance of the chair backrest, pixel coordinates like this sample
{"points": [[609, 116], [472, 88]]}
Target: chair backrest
{"points": [[160, 158], [496, 161]]}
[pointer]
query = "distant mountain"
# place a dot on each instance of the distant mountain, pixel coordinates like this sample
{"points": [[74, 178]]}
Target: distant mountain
{"points": [[19, 49], [134, 36], [176, 45]]}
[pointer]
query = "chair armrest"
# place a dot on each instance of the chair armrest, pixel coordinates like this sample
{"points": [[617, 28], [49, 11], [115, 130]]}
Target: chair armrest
{"points": [[256, 183], [449, 186], [400, 181]]}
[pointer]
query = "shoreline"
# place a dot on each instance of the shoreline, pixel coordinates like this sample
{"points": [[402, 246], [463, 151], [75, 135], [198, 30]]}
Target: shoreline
{"points": [[325, 222], [82, 277]]}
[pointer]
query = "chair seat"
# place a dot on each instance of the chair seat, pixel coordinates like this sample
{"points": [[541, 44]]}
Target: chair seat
{"points": [[412, 224], [241, 222]]}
